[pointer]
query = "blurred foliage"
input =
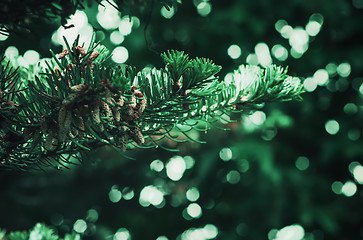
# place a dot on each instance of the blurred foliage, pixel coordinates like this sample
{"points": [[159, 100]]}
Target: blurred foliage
{"points": [[16, 18], [39, 232], [271, 192]]}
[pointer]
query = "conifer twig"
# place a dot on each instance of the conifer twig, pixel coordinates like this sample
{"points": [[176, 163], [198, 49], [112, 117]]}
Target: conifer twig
{"points": [[81, 103]]}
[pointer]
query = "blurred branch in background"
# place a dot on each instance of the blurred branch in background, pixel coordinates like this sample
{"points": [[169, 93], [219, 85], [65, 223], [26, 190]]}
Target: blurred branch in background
{"points": [[40, 231]]}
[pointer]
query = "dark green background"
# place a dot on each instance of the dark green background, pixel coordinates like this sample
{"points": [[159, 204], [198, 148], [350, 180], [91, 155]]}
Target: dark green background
{"points": [[273, 193]]}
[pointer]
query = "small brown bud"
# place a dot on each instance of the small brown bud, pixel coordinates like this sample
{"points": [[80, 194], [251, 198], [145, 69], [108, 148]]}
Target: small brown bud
{"points": [[140, 107], [58, 71], [133, 88], [63, 54], [120, 102], [133, 102], [81, 50], [70, 66], [138, 94], [176, 87], [94, 55]]}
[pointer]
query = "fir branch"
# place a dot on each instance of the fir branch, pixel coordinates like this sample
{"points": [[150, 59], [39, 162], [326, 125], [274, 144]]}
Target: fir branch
{"points": [[176, 62], [80, 103], [256, 85]]}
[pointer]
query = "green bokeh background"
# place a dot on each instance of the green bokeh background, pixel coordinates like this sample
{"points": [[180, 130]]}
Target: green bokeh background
{"points": [[272, 192]]}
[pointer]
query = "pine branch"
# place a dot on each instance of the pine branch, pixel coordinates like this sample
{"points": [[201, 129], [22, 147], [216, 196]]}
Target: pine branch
{"points": [[80, 103], [255, 85]]}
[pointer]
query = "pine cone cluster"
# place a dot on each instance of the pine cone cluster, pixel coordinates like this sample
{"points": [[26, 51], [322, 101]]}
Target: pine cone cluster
{"points": [[98, 112], [85, 112]]}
